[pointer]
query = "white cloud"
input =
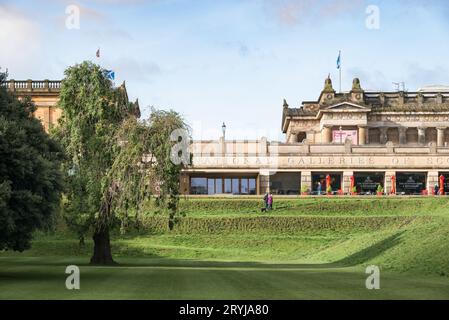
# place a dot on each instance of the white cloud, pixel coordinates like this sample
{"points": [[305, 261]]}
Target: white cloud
{"points": [[20, 39]]}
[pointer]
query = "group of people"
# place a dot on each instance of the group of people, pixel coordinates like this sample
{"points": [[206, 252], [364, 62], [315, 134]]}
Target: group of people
{"points": [[268, 200]]}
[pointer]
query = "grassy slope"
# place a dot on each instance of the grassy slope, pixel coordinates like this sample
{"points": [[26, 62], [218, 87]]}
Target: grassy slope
{"points": [[307, 263]]}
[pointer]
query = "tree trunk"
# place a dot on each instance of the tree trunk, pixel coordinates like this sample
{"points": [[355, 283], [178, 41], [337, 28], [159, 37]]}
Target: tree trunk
{"points": [[102, 248]]}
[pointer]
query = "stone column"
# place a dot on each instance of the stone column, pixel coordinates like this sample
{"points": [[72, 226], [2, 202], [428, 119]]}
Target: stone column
{"points": [[311, 136], [383, 135], [421, 135], [306, 180], [402, 135], [440, 137], [327, 134], [362, 135], [347, 181]]}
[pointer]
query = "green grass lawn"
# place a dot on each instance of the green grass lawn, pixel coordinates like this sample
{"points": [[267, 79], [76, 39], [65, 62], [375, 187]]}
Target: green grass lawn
{"points": [[305, 254], [139, 278]]}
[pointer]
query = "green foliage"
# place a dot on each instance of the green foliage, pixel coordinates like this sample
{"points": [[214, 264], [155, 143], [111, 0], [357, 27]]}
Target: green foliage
{"points": [[271, 224], [114, 161], [161, 125], [380, 189], [345, 206], [91, 113], [30, 180], [304, 189]]}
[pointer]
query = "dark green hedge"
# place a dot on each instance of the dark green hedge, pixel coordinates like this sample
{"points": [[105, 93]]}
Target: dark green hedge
{"points": [[318, 206], [270, 224]]}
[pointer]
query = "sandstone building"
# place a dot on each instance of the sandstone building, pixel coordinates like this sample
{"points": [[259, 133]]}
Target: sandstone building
{"points": [[396, 140]]}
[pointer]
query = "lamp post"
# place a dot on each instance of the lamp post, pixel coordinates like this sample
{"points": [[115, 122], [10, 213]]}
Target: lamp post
{"points": [[223, 128]]}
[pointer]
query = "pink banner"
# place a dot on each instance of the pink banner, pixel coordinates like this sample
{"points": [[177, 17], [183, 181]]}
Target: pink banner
{"points": [[340, 136]]}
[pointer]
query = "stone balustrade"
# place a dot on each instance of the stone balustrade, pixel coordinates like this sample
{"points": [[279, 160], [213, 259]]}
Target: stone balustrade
{"points": [[33, 85]]}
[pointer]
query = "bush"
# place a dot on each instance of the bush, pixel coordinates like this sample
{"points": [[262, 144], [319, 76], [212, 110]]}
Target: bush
{"points": [[270, 224]]}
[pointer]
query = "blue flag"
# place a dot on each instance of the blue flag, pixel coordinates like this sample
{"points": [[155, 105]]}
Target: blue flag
{"points": [[339, 60], [109, 74]]}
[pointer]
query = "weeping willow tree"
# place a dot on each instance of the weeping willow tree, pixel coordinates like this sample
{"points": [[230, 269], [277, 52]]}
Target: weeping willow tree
{"points": [[113, 160]]}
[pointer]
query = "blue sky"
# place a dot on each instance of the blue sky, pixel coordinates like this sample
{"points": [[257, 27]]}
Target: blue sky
{"points": [[234, 60]]}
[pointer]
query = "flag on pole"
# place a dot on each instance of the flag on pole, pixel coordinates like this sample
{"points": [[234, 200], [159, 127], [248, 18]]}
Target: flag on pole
{"points": [[98, 53], [109, 74], [339, 60]]}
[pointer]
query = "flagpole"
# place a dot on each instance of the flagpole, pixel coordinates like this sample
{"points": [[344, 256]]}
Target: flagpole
{"points": [[340, 70]]}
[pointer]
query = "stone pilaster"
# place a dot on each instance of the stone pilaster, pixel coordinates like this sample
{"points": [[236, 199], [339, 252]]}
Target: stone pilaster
{"points": [[347, 181], [327, 134], [306, 180], [387, 185], [311, 136], [184, 184], [362, 135], [440, 137], [265, 183], [432, 180]]}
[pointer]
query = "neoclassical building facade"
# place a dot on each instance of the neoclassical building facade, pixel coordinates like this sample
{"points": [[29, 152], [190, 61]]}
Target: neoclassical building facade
{"points": [[357, 141]]}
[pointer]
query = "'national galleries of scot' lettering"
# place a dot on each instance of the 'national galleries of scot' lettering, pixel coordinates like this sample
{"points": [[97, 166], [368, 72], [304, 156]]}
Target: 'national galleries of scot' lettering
{"points": [[356, 142]]}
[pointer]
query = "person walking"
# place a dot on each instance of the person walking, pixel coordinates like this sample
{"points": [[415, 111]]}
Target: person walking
{"points": [[270, 201], [319, 188], [265, 201]]}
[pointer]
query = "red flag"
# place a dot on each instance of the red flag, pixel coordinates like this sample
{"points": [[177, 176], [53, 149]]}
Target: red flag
{"points": [[98, 53]]}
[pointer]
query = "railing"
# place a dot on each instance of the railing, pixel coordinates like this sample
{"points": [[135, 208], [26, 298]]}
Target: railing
{"points": [[33, 85]]}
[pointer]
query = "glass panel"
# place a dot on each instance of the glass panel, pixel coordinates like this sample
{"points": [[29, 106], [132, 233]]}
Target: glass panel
{"points": [[368, 182], [228, 186], [244, 186], [198, 185], [235, 186], [210, 186], [410, 183], [252, 186], [319, 181], [218, 185]]}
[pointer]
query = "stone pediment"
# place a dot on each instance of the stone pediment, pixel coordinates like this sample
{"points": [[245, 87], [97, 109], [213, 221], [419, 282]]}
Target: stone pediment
{"points": [[346, 107]]}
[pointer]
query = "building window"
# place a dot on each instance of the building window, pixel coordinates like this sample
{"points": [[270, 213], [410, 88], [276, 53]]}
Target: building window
{"points": [[410, 182], [319, 181], [252, 186], [287, 183], [244, 187], [219, 185], [210, 186], [235, 186], [368, 182], [198, 186], [228, 186]]}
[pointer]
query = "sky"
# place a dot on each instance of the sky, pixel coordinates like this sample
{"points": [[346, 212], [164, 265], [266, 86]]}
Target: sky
{"points": [[230, 61]]}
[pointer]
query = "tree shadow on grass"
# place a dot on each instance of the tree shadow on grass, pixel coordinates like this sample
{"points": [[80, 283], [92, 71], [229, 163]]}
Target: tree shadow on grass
{"points": [[154, 261], [371, 252], [354, 259]]}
